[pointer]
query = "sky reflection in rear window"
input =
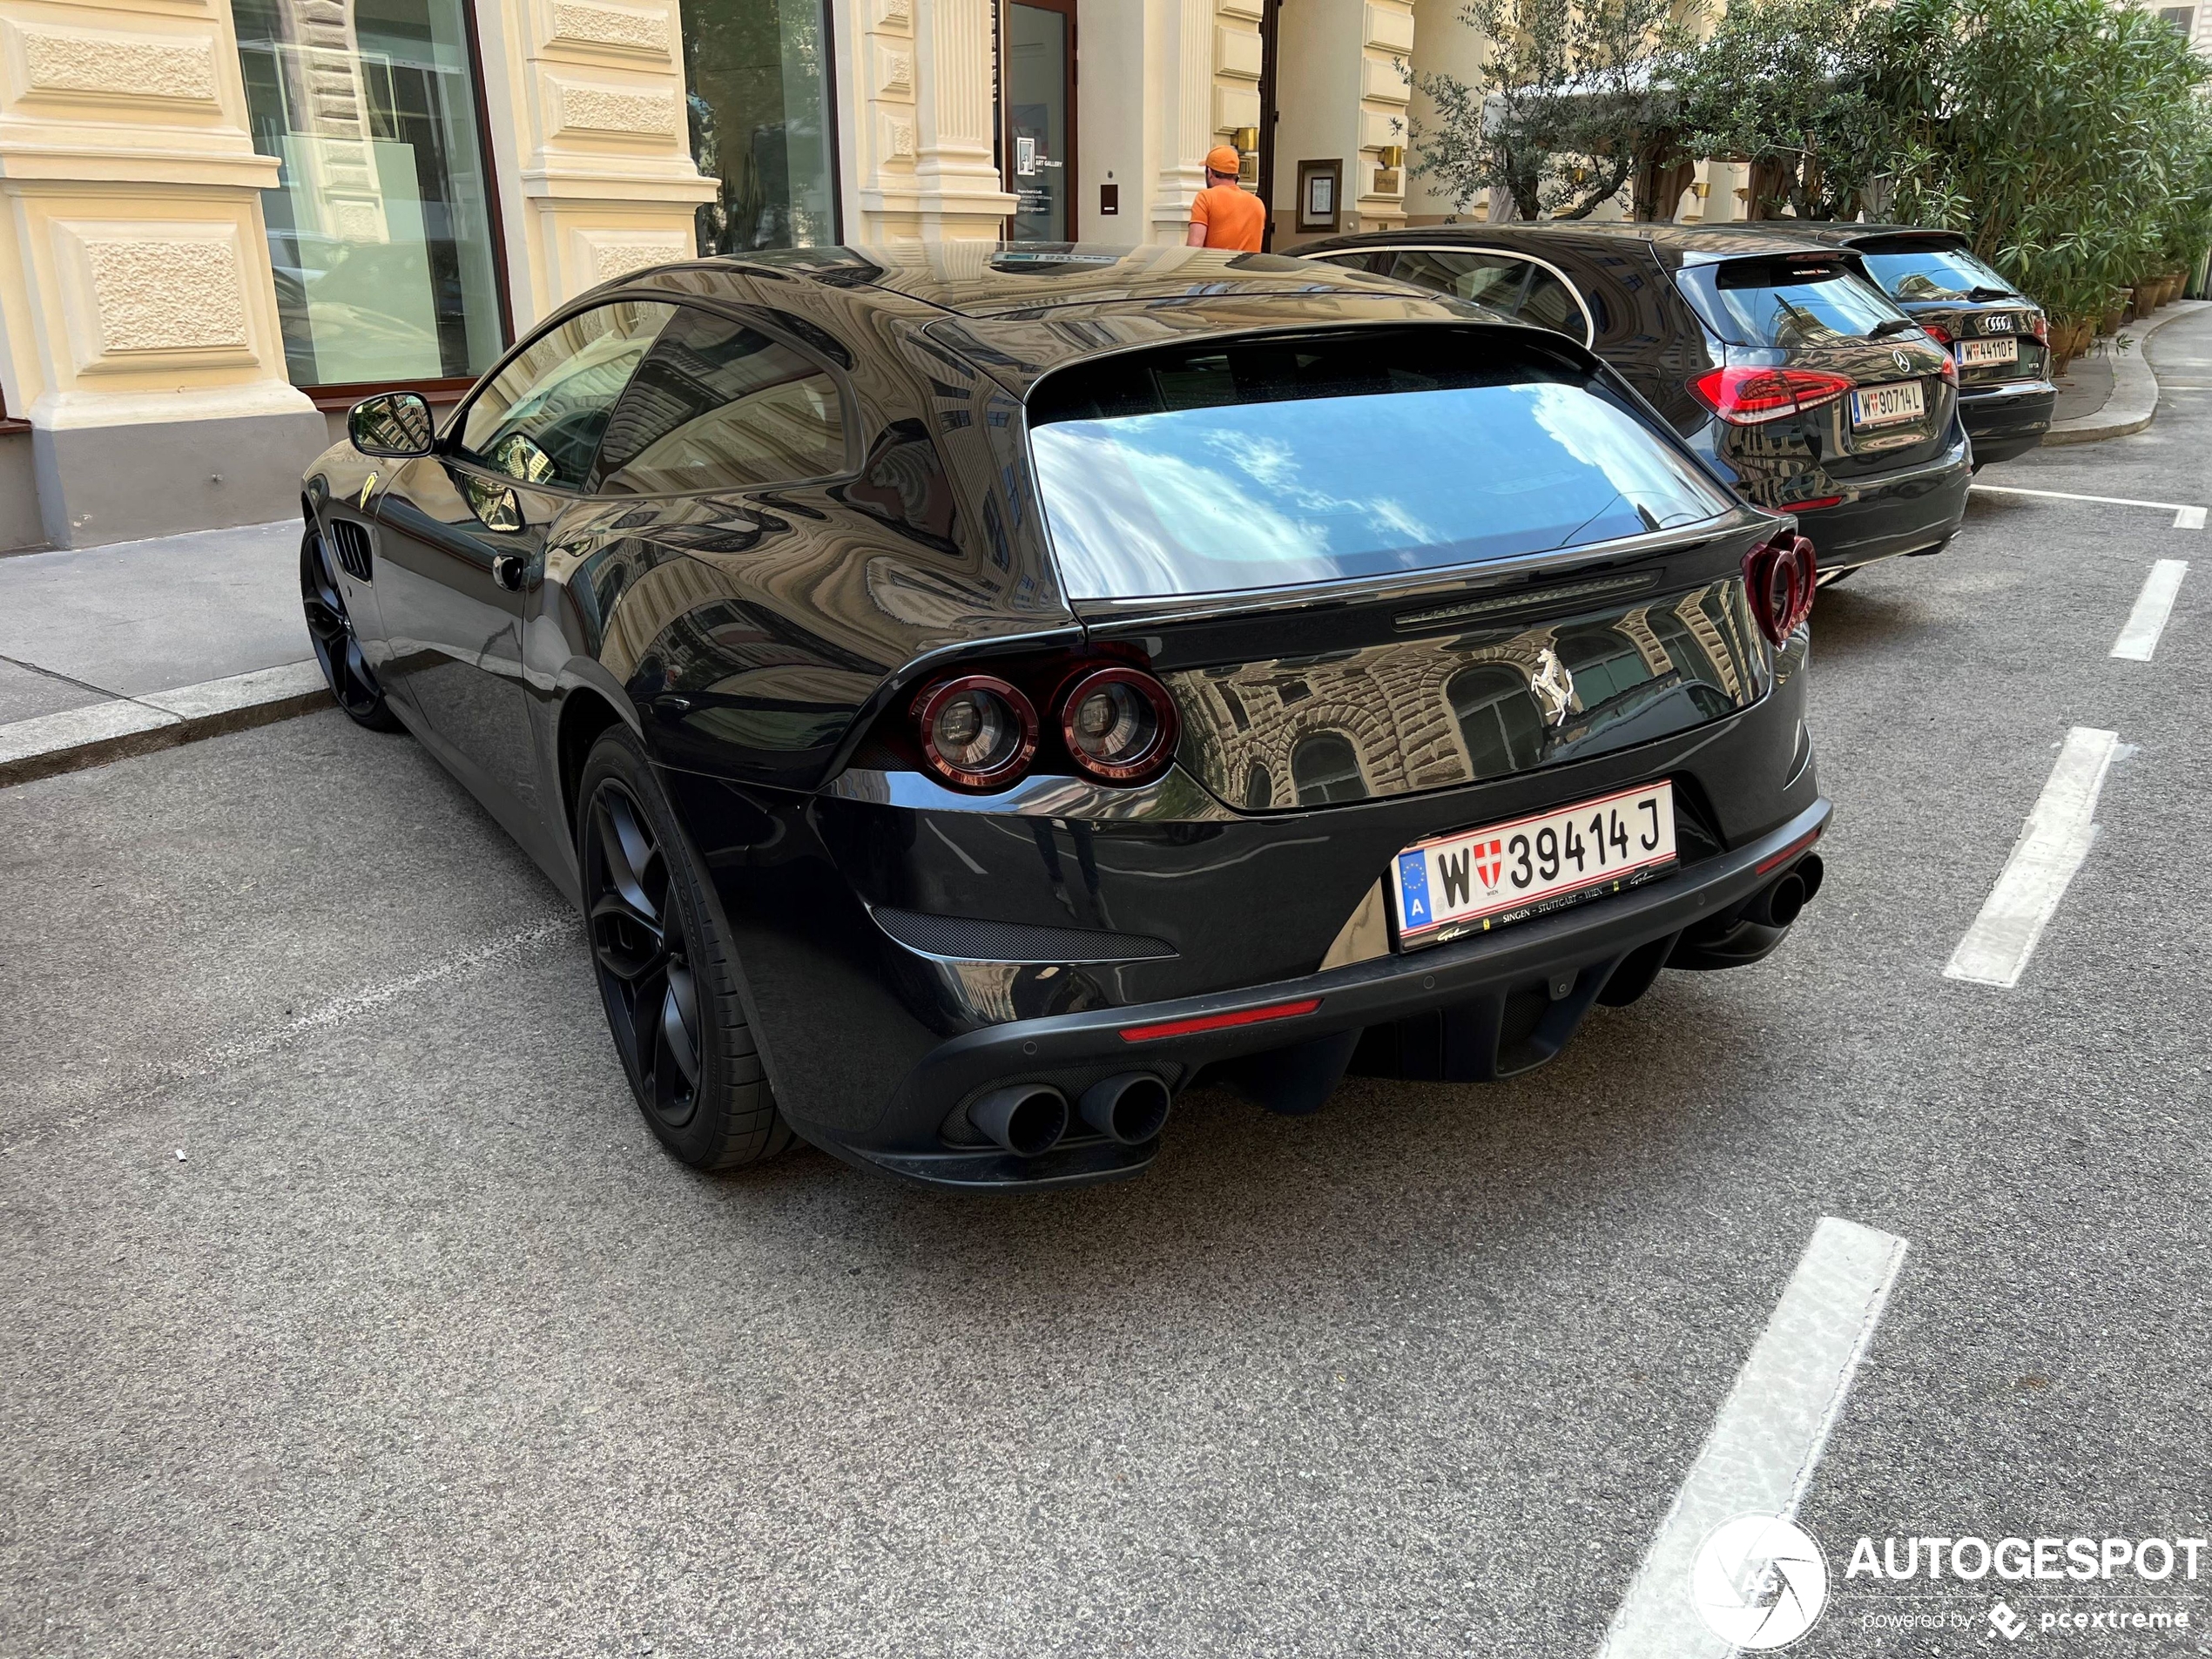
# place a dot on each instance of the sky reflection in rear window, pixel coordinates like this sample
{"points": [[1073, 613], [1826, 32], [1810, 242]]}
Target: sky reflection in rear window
{"points": [[1278, 493]]}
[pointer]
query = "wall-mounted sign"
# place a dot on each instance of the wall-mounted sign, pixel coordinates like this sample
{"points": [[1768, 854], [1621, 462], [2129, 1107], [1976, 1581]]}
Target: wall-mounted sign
{"points": [[1320, 186]]}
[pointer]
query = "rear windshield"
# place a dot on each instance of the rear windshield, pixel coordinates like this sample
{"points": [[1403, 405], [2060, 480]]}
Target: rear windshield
{"points": [[1936, 274], [1285, 460], [1785, 302]]}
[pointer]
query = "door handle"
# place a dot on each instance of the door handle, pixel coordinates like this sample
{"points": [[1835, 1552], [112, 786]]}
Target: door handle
{"points": [[507, 570]]}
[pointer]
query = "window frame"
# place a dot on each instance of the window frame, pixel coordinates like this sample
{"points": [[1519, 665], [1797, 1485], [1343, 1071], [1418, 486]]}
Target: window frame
{"points": [[447, 446], [1589, 319], [751, 317], [334, 397]]}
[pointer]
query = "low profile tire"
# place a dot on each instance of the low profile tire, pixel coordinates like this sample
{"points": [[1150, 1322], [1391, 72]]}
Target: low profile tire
{"points": [[667, 971], [337, 647]]}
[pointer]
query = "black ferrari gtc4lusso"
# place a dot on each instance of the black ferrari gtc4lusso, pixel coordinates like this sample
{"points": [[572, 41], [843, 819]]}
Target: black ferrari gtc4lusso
{"points": [[973, 693]]}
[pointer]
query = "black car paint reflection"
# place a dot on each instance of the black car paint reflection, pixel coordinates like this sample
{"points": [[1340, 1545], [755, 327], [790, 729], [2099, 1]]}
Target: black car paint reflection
{"points": [[903, 946]]}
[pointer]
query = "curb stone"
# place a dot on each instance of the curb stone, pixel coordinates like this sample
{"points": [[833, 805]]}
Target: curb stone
{"points": [[75, 738]]}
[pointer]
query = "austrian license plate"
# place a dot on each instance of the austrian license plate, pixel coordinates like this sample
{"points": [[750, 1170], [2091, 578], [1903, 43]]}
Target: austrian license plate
{"points": [[1885, 405], [1489, 878], [1972, 354]]}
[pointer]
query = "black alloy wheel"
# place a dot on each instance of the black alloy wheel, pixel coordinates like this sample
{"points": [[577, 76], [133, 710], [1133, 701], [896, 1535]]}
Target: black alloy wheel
{"points": [[666, 973], [337, 648]]}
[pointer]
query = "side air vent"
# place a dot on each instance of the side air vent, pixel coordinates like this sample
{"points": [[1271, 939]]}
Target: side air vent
{"points": [[351, 541], [1005, 941]]}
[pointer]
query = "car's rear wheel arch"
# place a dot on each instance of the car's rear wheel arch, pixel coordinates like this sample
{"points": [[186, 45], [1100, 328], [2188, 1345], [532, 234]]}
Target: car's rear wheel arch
{"points": [[585, 714]]}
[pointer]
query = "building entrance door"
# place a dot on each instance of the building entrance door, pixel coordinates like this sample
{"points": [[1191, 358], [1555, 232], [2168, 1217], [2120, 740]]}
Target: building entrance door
{"points": [[1040, 103]]}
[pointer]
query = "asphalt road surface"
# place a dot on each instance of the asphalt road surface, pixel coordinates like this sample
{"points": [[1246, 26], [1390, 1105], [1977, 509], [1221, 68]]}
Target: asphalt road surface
{"points": [[346, 1306]]}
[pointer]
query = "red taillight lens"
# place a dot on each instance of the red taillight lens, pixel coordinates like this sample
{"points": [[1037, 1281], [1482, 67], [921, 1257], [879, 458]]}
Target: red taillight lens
{"points": [[1780, 577], [1950, 370], [1119, 724], [1937, 333], [1744, 396], [2040, 326], [976, 732]]}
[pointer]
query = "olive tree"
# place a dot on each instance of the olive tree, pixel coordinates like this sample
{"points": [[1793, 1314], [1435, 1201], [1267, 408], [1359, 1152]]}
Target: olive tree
{"points": [[1786, 84], [1562, 113]]}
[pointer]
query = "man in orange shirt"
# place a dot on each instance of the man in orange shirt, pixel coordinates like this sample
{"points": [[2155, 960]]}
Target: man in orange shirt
{"points": [[1221, 214]]}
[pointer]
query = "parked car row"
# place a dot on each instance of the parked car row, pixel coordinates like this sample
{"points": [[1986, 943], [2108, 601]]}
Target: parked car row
{"points": [[972, 699], [1851, 374]]}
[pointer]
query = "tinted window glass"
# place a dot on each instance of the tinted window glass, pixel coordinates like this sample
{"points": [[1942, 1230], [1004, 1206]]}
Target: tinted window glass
{"points": [[718, 406], [1936, 274], [540, 420], [1786, 302], [1518, 288], [1270, 462]]}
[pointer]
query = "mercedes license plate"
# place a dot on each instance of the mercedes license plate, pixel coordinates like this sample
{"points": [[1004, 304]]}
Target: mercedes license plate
{"points": [[1488, 878], [1972, 354], [1884, 405]]}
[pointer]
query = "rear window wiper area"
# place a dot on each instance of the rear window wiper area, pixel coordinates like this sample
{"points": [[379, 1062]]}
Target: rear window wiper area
{"points": [[1986, 292], [1892, 326]]}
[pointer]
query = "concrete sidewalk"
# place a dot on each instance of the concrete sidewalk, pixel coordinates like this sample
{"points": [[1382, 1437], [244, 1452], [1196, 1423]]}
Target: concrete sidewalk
{"points": [[113, 650], [2133, 400]]}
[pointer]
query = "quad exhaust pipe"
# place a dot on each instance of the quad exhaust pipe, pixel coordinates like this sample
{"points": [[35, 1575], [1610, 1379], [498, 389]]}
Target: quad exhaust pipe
{"points": [[1028, 1119], [1131, 1109], [1781, 901]]}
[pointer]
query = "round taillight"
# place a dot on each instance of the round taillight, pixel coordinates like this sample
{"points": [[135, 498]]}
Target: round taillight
{"points": [[1808, 563], [976, 730], [1778, 578], [1119, 724]]}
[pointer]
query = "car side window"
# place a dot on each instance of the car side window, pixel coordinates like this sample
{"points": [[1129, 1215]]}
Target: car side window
{"points": [[541, 419], [1516, 286], [717, 405]]}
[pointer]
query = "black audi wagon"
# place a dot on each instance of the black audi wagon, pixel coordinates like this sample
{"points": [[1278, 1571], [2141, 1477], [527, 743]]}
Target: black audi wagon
{"points": [[1774, 354], [973, 693]]}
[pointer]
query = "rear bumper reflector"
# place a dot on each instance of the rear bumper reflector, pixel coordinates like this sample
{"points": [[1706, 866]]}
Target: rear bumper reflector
{"points": [[1787, 852], [1218, 1022]]}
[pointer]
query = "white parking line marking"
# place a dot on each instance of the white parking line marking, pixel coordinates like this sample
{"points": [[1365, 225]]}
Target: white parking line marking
{"points": [[99, 1095], [2050, 849], [2185, 516], [1768, 1437], [2152, 606]]}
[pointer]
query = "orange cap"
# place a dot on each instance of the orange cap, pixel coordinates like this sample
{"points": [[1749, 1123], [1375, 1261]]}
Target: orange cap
{"points": [[1222, 158]]}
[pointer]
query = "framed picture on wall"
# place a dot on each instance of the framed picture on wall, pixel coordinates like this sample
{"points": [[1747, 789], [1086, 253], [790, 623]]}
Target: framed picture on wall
{"points": [[1320, 191]]}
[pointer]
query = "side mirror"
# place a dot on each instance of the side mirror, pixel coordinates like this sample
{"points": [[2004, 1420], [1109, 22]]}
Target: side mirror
{"points": [[392, 424]]}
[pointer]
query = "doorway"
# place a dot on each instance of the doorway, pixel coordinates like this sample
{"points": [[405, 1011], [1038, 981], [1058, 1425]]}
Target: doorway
{"points": [[1040, 103], [1271, 18]]}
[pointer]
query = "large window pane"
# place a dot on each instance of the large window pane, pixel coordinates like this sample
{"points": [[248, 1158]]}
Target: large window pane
{"points": [[759, 74], [379, 226]]}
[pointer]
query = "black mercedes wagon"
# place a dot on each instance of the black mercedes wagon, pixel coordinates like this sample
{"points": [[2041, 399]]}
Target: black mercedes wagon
{"points": [[1773, 354], [1998, 337], [973, 693]]}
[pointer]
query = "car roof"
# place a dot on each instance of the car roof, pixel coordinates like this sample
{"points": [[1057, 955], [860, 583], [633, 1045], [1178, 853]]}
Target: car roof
{"points": [[987, 279], [1020, 311]]}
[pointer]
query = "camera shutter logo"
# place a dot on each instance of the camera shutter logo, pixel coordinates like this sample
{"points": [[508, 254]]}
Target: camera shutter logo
{"points": [[1759, 1582]]}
